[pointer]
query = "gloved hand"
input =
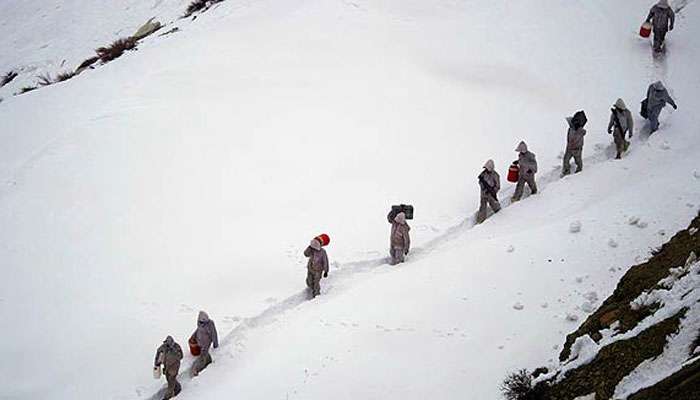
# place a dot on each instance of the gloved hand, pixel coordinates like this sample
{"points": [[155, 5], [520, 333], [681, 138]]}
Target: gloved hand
{"points": [[630, 135], [675, 107], [529, 171], [325, 274], [405, 252], [516, 162]]}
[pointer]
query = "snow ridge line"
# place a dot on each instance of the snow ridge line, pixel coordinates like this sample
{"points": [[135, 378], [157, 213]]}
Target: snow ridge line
{"points": [[342, 270]]}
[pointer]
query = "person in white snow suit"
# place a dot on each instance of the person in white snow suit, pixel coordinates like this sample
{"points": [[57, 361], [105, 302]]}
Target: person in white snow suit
{"points": [[490, 184], [317, 266], [621, 123], [400, 240], [662, 19], [527, 163], [657, 97], [168, 356], [574, 142], [205, 336]]}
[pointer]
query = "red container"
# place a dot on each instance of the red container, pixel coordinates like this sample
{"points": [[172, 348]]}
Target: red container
{"points": [[195, 350], [323, 239], [645, 30], [513, 173]]}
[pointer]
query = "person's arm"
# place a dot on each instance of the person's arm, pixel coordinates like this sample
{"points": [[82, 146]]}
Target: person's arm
{"points": [[670, 100], [178, 351], [672, 19], [497, 188], [533, 167], [307, 252], [630, 123], [611, 124], [651, 15], [157, 361], [406, 239], [325, 264], [214, 334]]}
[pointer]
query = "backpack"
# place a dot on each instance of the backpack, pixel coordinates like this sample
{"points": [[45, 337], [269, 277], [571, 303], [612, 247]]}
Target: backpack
{"points": [[643, 111]]}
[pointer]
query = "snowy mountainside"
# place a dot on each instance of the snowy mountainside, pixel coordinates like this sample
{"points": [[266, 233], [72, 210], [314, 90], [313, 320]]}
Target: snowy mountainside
{"points": [[192, 173]]}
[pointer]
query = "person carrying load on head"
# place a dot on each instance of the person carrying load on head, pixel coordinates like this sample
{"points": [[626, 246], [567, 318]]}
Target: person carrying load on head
{"points": [[399, 240], [574, 142], [490, 184], [317, 267], [621, 123]]}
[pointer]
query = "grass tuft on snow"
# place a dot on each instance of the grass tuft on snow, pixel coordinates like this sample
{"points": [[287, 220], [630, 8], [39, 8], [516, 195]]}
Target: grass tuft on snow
{"points": [[518, 386], [116, 49], [7, 78]]}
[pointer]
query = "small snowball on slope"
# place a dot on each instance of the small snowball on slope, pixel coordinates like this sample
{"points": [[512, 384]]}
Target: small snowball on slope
{"points": [[587, 307], [575, 227], [518, 306], [510, 249], [642, 224], [612, 243], [665, 146], [571, 317]]}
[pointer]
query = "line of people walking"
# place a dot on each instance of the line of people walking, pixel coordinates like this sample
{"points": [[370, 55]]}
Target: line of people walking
{"points": [[522, 172]]}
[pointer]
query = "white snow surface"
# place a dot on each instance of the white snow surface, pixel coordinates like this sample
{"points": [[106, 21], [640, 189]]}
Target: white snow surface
{"points": [[192, 173]]}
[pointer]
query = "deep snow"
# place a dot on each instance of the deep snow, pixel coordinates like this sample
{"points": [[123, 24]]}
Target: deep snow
{"points": [[192, 173]]}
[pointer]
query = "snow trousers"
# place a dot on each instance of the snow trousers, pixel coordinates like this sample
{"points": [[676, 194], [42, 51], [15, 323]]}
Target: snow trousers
{"points": [[653, 117], [659, 39], [313, 282], [520, 187], [174, 387], [201, 362], [397, 254], [486, 202], [621, 144], [577, 155]]}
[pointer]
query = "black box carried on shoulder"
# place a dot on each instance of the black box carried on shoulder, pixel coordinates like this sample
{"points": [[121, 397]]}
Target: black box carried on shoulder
{"points": [[404, 208]]}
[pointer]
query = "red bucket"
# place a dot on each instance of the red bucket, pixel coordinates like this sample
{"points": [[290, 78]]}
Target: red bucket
{"points": [[513, 173], [195, 350], [323, 239], [645, 30]]}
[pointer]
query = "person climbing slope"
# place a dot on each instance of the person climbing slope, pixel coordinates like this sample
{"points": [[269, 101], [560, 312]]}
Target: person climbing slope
{"points": [[574, 142], [168, 356], [527, 163], [490, 184], [205, 335], [657, 97], [317, 266], [400, 240], [621, 122], [662, 18]]}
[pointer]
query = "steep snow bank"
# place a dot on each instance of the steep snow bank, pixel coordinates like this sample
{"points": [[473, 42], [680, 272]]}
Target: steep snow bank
{"points": [[192, 173]]}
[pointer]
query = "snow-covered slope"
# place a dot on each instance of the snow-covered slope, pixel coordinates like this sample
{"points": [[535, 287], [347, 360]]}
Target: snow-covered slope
{"points": [[192, 173]]}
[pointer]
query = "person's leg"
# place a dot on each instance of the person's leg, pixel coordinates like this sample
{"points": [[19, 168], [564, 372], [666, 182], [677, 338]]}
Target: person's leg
{"points": [[531, 182], [578, 158], [481, 214], [519, 189], [654, 119], [619, 143], [317, 283], [566, 166], [495, 205]]}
